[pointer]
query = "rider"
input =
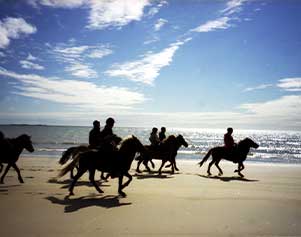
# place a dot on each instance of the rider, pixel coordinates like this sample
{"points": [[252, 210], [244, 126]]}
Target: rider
{"points": [[94, 135], [162, 135], [154, 139], [229, 141], [107, 135]]}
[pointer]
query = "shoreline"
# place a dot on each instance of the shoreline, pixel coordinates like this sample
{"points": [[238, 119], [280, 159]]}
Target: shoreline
{"points": [[266, 202]]}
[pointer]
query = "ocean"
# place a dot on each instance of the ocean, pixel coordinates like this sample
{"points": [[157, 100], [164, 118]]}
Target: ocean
{"points": [[275, 146]]}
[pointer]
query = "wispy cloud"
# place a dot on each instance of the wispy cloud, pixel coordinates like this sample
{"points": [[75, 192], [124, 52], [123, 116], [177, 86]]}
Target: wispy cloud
{"points": [[58, 3], [30, 57], [290, 84], [80, 94], [233, 6], [76, 56], [14, 28], [156, 8], [260, 87], [220, 23], [81, 70], [30, 65], [146, 69], [159, 24]]}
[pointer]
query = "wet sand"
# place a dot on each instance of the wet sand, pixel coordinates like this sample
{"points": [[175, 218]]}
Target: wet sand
{"points": [[267, 202]]}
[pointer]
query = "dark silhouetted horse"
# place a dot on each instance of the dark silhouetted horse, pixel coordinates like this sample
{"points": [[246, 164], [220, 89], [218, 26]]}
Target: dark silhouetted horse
{"points": [[166, 151], [71, 152], [10, 150], [116, 163], [238, 155]]}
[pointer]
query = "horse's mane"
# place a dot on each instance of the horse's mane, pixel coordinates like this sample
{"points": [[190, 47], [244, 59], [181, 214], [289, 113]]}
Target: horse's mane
{"points": [[241, 142], [169, 139], [126, 140]]}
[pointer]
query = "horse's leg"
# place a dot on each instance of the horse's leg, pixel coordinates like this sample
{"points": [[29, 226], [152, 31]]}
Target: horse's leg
{"points": [[92, 180], [219, 168], [5, 172], [175, 164], [120, 186], [18, 172], [76, 177], [209, 166], [153, 164], [146, 166], [1, 167], [160, 169], [103, 176], [241, 167], [130, 178]]}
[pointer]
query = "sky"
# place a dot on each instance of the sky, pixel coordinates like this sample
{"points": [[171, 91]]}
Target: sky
{"points": [[178, 63]]}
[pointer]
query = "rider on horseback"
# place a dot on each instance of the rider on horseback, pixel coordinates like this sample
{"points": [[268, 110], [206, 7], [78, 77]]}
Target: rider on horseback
{"points": [[154, 139], [95, 135], [107, 136], [230, 145]]}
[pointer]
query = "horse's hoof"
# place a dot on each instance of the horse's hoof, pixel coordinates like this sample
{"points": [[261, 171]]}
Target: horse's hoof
{"points": [[241, 175], [21, 181], [138, 171], [71, 193], [122, 194], [209, 174], [220, 174], [235, 171]]}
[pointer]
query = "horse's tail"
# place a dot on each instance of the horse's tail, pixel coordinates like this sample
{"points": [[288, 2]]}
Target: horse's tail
{"points": [[205, 158], [66, 155], [70, 166]]}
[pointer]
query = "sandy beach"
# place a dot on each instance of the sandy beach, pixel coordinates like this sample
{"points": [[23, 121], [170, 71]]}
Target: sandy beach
{"points": [[267, 202]]}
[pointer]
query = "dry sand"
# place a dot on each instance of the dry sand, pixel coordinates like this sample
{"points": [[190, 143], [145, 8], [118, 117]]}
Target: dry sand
{"points": [[266, 203]]}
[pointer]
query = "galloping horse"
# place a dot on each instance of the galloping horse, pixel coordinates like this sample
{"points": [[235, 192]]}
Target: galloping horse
{"points": [[116, 163], [71, 152], [10, 150], [239, 155], [167, 151]]}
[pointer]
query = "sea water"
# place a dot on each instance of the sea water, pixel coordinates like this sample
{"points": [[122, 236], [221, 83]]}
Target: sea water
{"points": [[274, 146]]}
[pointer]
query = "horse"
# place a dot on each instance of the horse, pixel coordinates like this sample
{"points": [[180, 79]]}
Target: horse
{"points": [[239, 155], [71, 152], [166, 151], [116, 163], [10, 151]]}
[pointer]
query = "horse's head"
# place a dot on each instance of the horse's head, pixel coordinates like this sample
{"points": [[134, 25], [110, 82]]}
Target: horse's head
{"points": [[181, 140], [25, 142], [116, 139], [250, 143]]}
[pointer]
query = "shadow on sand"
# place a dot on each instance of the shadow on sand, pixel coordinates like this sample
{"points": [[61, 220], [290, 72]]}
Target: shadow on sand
{"points": [[228, 179], [154, 175], [66, 183], [75, 204]]}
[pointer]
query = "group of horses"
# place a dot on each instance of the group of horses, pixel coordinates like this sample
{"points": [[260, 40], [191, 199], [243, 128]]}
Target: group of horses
{"points": [[117, 163]]}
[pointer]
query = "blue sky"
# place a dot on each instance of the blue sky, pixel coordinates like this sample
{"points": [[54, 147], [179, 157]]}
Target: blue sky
{"points": [[193, 63]]}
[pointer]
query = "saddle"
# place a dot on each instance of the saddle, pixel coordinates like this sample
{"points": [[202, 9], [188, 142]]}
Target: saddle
{"points": [[232, 154]]}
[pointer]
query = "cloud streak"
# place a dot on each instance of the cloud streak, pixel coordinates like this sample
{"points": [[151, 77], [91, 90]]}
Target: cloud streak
{"points": [[80, 94], [146, 69], [290, 84]]}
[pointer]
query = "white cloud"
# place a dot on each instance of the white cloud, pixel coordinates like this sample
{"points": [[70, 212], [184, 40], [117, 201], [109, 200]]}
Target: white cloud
{"points": [[233, 6], [284, 111], [58, 3], [160, 23], [220, 23], [116, 13], [146, 69], [260, 87], [290, 84], [75, 57], [80, 94], [31, 57], [155, 9], [14, 28], [30, 65], [100, 53], [81, 70]]}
